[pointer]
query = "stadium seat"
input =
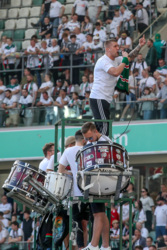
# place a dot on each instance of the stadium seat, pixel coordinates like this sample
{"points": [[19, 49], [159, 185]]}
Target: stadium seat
{"points": [[26, 2], [13, 13], [29, 33], [24, 12], [15, 3], [32, 20], [25, 44], [37, 2], [18, 44], [3, 13], [21, 23], [8, 33], [10, 24], [35, 11], [68, 9], [19, 34], [1, 24]]}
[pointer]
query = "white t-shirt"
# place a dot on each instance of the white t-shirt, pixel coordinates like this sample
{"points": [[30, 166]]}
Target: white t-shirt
{"points": [[26, 100], [53, 49], [2, 96], [104, 83], [47, 84], [68, 158], [102, 34], [43, 164], [87, 45], [5, 222], [13, 88], [66, 99], [93, 8], [144, 232], [32, 88], [50, 165], [113, 28], [125, 211], [72, 25], [161, 215], [126, 41], [6, 207], [81, 7], [142, 16], [32, 61], [4, 234], [162, 71], [15, 234], [114, 2], [50, 99], [147, 203], [126, 16], [9, 102], [55, 9], [140, 67], [80, 38], [147, 82], [146, 3], [132, 83], [142, 216], [7, 51]]}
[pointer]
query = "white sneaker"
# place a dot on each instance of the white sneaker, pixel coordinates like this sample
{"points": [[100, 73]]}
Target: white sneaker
{"points": [[90, 247], [105, 248]]}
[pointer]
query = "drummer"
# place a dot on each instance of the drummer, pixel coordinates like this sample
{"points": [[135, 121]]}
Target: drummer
{"points": [[80, 211], [48, 151], [101, 223], [69, 142]]}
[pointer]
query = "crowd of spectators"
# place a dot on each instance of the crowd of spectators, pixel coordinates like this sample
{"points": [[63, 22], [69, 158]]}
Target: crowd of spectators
{"points": [[80, 41], [149, 222]]}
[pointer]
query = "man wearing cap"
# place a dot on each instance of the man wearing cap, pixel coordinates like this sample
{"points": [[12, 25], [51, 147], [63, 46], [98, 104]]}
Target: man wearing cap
{"points": [[69, 142], [80, 212], [160, 219], [106, 72], [14, 87]]}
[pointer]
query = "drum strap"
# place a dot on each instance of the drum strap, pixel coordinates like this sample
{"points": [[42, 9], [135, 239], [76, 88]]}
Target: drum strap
{"points": [[91, 184]]}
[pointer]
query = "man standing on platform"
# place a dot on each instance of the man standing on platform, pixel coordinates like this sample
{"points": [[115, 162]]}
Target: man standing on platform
{"points": [[101, 223], [106, 72], [80, 211]]}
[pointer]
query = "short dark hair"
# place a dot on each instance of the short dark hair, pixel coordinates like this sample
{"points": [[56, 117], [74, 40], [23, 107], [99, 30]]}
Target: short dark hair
{"points": [[8, 90], [135, 70], [1, 213], [76, 93], [151, 40], [113, 39], [138, 248], [79, 135], [88, 126], [72, 36], [15, 223], [47, 147]]}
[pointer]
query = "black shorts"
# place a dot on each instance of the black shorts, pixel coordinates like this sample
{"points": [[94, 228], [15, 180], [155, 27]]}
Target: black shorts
{"points": [[80, 213], [97, 207]]}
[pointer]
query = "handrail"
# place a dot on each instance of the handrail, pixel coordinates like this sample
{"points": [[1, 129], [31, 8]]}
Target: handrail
{"points": [[136, 40]]}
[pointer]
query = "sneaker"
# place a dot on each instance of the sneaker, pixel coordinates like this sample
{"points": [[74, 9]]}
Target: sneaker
{"points": [[90, 247], [105, 248]]}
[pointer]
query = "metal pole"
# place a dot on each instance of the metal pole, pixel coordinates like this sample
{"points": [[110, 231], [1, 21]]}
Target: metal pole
{"points": [[56, 146], [62, 134], [35, 222], [70, 224], [130, 224]]}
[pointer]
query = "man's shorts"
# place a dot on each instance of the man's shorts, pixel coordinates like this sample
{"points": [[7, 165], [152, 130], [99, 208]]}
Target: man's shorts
{"points": [[160, 231], [97, 207]]}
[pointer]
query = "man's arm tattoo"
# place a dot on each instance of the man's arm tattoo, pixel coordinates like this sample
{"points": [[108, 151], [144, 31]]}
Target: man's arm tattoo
{"points": [[134, 52]]}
